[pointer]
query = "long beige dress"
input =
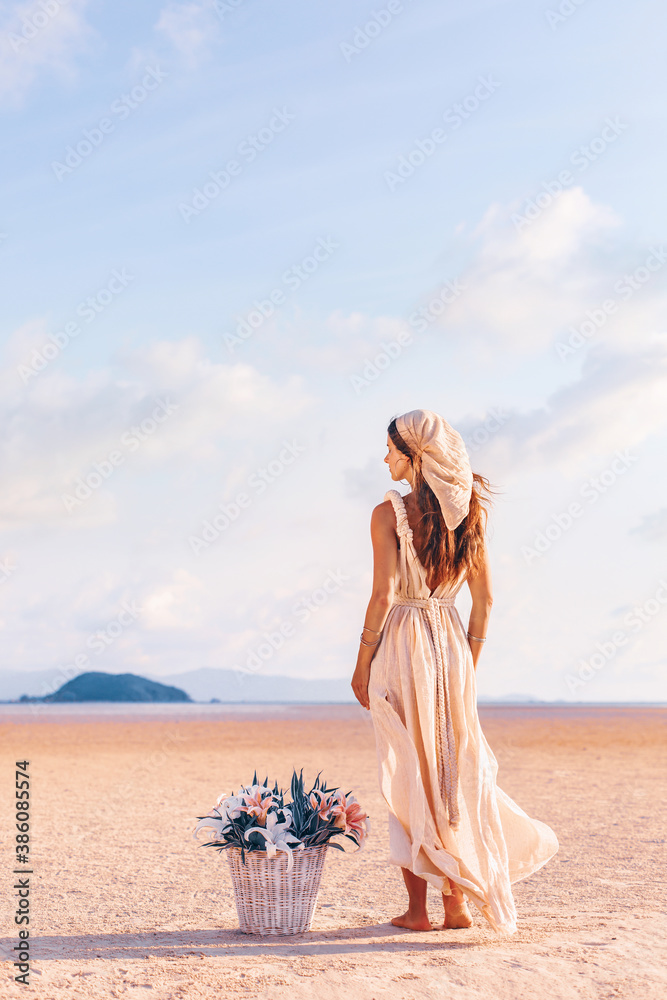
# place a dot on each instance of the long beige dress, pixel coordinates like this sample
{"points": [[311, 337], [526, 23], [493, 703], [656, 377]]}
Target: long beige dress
{"points": [[447, 816]]}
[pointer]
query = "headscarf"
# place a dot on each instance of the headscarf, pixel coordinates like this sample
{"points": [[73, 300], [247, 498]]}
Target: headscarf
{"points": [[444, 461]]}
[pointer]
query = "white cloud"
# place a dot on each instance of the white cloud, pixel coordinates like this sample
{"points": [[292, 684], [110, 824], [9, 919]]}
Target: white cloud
{"points": [[557, 235], [652, 527], [526, 288], [618, 401], [175, 605], [188, 28], [524, 293], [40, 41], [341, 343], [168, 401]]}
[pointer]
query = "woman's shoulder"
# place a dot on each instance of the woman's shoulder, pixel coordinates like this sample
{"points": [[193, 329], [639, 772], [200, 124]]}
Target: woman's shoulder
{"points": [[393, 509], [383, 510]]}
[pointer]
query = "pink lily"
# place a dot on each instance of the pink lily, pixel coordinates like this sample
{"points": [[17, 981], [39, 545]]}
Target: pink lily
{"points": [[350, 817], [322, 806], [256, 803]]}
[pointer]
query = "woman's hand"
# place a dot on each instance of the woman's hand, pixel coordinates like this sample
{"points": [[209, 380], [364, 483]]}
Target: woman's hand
{"points": [[360, 679]]}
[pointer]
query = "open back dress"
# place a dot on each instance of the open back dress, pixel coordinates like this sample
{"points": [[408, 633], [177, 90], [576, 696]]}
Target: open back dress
{"points": [[447, 816]]}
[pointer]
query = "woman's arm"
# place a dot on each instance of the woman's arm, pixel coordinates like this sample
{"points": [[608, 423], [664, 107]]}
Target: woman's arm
{"points": [[482, 599], [385, 559]]}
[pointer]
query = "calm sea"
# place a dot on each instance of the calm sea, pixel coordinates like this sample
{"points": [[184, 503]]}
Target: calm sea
{"points": [[128, 711]]}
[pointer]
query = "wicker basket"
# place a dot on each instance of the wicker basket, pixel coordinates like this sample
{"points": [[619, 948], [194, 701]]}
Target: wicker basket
{"points": [[271, 900]]}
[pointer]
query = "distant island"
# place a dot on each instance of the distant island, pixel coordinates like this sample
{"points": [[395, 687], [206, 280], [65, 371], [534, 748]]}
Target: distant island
{"points": [[113, 687]]}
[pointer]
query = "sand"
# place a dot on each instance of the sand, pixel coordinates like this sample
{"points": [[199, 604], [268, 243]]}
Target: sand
{"points": [[125, 904]]}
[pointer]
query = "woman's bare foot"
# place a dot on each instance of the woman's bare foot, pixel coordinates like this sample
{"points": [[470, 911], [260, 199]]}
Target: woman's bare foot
{"points": [[415, 917], [457, 913], [412, 922]]}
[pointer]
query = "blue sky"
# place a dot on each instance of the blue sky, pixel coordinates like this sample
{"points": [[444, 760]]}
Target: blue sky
{"points": [[532, 150]]}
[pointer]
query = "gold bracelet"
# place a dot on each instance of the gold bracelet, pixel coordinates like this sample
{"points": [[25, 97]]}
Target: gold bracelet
{"points": [[475, 637], [379, 630], [364, 643]]}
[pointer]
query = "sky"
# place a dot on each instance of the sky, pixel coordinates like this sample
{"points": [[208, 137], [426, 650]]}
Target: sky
{"points": [[239, 237]]}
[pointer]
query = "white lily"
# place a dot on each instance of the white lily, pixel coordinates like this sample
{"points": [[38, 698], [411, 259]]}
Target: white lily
{"points": [[230, 805], [217, 820], [276, 836], [253, 789]]}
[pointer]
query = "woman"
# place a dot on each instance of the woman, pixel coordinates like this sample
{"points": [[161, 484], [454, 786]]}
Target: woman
{"points": [[449, 823]]}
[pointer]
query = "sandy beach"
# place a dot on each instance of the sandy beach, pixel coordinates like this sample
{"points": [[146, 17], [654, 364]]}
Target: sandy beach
{"points": [[124, 901]]}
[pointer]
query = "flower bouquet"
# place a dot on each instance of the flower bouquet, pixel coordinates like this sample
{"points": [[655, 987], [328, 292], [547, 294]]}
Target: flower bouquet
{"points": [[276, 893]]}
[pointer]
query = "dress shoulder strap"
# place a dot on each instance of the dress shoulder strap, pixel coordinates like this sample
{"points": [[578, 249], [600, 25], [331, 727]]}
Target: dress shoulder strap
{"points": [[402, 525]]}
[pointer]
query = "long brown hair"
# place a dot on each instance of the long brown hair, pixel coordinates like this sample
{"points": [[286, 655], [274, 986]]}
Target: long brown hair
{"points": [[445, 554]]}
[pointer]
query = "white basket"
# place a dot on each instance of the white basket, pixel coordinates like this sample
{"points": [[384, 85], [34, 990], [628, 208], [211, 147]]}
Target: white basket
{"points": [[271, 900]]}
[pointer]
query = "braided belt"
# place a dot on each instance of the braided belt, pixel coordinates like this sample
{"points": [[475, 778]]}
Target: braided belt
{"points": [[448, 775]]}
